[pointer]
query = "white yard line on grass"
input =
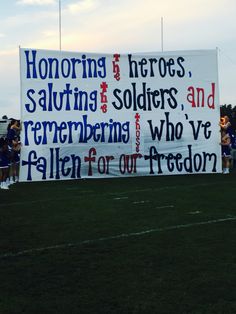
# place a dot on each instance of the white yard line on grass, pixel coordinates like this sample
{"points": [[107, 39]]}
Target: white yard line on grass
{"points": [[119, 236], [141, 202], [120, 198], [165, 206], [82, 193], [165, 188], [118, 194]]}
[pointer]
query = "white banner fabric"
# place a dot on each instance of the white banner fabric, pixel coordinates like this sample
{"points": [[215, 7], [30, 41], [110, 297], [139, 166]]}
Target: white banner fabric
{"points": [[88, 115]]}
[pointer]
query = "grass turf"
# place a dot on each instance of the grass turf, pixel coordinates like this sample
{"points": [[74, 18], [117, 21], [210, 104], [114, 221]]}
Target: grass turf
{"points": [[189, 269]]}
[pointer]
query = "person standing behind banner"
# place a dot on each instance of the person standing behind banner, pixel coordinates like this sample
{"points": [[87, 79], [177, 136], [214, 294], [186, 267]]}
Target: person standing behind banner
{"points": [[226, 125], [225, 148], [13, 129], [4, 163], [15, 161], [13, 144], [233, 139]]}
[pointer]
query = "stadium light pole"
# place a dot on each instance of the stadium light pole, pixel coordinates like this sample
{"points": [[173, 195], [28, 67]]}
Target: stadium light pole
{"points": [[162, 48], [59, 24]]}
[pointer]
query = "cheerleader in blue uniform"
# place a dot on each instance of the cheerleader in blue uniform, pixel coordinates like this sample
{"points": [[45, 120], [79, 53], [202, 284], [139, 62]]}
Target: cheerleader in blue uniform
{"points": [[225, 148], [14, 148], [4, 164]]}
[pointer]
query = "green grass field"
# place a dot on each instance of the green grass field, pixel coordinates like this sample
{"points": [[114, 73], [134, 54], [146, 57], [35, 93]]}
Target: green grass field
{"points": [[147, 245]]}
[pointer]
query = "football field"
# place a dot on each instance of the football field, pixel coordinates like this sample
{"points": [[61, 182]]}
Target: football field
{"points": [[144, 245]]}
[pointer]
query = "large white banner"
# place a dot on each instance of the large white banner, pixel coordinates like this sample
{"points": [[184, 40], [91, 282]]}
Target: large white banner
{"points": [[87, 115]]}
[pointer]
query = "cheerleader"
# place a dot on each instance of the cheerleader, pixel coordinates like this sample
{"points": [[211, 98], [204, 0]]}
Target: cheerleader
{"points": [[225, 148], [14, 148], [225, 123], [4, 164]]}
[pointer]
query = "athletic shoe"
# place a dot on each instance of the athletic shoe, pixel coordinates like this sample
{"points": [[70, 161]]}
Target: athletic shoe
{"points": [[4, 186]]}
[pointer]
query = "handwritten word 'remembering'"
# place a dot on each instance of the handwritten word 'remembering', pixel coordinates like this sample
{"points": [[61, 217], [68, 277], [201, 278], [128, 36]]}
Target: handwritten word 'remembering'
{"points": [[44, 132]]}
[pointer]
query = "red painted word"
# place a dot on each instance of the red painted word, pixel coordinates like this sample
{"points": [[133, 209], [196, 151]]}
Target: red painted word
{"points": [[116, 67], [128, 163], [198, 97], [102, 163], [103, 95], [137, 132]]}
